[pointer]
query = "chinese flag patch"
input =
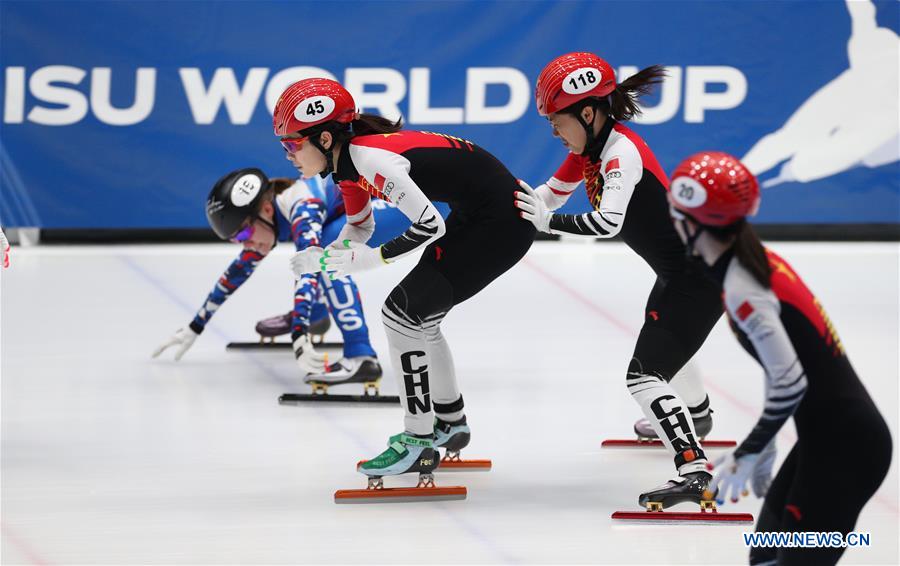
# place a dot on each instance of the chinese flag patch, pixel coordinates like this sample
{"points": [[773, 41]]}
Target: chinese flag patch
{"points": [[745, 310], [379, 181], [611, 164]]}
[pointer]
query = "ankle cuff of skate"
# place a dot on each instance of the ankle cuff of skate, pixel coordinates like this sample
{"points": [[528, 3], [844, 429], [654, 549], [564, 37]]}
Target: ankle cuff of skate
{"points": [[692, 454]]}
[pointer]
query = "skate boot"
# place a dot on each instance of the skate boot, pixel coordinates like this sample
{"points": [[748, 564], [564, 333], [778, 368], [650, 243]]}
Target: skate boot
{"points": [[645, 432], [453, 437], [406, 453], [363, 369], [281, 324], [688, 488]]}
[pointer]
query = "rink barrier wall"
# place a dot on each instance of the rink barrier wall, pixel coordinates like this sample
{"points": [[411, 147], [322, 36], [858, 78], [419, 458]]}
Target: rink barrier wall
{"points": [[769, 232]]}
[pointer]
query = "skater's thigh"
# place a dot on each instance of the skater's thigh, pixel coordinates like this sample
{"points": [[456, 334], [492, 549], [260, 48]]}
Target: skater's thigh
{"points": [[472, 255]]}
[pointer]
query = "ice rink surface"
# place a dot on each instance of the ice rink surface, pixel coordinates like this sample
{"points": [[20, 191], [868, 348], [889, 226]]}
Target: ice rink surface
{"points": [[109, 457]]}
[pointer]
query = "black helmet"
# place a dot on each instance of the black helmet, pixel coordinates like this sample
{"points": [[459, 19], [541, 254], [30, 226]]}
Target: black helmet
{"points": [[233, 199]]}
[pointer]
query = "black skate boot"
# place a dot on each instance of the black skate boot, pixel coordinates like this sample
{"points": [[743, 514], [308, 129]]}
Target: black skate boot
{"points": [[688, 488], [364, 369], [281, 324], [452, 437]]}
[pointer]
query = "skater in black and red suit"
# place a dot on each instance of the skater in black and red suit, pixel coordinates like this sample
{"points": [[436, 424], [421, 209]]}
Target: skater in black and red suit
{"points": [[319, 127], [843, 448], [580, 97]]}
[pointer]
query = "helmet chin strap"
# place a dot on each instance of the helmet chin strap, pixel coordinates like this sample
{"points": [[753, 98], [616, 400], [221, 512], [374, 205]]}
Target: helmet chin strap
{"points": [[329, 158], [588, 130], [691, 238]]}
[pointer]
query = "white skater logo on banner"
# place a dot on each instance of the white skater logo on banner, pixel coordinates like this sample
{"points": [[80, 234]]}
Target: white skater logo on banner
{"points": [[851, 121]]}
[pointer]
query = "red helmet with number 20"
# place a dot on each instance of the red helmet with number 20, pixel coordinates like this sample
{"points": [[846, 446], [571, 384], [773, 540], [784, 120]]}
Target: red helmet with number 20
{"points": [[311, 102], [570, 78], [714, 188]]}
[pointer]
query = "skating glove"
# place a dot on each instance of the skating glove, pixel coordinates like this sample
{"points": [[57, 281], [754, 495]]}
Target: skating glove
{"points": [[183, 339], [308, 359], [306, 261], [4, 249], [762, 472], [732, 475], [352, 257], [533, 207]]}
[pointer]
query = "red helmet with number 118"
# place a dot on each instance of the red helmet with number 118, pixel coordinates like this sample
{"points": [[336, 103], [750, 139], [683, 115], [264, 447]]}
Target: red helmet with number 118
{"points": [[570, 78]]}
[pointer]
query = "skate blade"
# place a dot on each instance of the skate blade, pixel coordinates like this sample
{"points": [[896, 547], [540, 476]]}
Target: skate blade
{"points": [[657, 443], [300, 398], [456, 465], [272, 345], [702, 517], [464, 466], [400, 494]]}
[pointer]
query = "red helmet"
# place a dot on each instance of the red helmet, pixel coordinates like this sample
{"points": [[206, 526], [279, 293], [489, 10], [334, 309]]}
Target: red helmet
{"points": [[570, 78], [714, 189], [311, 102]]}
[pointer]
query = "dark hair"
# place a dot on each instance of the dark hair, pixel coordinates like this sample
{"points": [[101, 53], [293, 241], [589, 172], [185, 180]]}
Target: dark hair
{"points": [[622, 103], [748, 249], [363, 125], [280, 184]]}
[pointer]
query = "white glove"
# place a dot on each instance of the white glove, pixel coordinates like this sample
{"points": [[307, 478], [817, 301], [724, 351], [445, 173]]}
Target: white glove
{"points": [[762, 472], [732, 475], [352, 257], [4, 249], [183, 339], [306, 261], [533, 208], [308, 359]]}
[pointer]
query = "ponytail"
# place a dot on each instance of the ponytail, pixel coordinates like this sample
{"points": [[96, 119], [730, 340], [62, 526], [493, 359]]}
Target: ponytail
{"points": [[362, 125], [366, 124], [748, 249]]}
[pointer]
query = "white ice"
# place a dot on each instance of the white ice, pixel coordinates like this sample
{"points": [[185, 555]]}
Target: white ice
{"points": [[109, 457]]}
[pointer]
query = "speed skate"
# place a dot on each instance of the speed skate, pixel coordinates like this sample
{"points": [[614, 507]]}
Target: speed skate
{"points": [[647, 437], [270, 328], [406, 453], [689, 488], [363, 370]]}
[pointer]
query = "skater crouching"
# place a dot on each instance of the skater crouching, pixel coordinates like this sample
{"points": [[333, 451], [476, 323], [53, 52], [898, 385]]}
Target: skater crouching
{"points": [[808, 375]]}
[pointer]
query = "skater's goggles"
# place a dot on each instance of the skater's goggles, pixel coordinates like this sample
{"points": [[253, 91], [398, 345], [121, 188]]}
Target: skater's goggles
{"points": [[293, 145], [246, 232]]}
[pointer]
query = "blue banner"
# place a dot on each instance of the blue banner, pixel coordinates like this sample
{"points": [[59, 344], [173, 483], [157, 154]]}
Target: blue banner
{"points": [[123, 114]]}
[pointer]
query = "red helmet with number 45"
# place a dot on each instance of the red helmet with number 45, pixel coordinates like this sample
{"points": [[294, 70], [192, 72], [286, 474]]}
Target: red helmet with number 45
{"points": [[570, 78], [714, 188], [311, 102]]}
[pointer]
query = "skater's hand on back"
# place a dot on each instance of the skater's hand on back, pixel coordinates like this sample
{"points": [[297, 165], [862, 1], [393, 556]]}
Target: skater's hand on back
{"points": [[182, 340], [308, 360], [731, 476], [306, 261], [351, 257], [533, 208], [4, 250]]}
